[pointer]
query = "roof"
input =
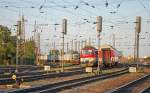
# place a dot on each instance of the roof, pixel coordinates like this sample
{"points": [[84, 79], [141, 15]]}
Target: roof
{"points": [[107, 46], [112, 48], [89, 47]]}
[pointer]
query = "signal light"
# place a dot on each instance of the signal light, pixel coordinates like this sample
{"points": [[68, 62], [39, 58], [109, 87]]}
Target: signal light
{"points": [[138, 24], [64, 26], [99, 23]]}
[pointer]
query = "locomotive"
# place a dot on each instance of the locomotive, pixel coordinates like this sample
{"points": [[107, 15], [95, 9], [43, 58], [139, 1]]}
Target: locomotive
{"points": [[54, 56], [72, 57], [88, 56]]}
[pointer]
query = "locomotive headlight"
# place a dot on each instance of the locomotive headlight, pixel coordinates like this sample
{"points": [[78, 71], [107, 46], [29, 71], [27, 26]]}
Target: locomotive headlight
{"points": [[84, 59], [91, 59], [87, 59], [81, 59]]}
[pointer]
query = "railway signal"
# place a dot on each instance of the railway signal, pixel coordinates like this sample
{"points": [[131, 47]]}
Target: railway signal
{"points": [[64, 26], [138, 24], [137, 31], [99, 29], [64, 32], [99, 24]]}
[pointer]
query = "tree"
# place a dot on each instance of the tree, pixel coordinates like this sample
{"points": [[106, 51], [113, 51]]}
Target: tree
{"points": [[29, 52], [8, 48], [7, 45]]}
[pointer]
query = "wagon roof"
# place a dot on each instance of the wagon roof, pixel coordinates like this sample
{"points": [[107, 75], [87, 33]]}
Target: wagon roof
{"points": [[107, 46]]}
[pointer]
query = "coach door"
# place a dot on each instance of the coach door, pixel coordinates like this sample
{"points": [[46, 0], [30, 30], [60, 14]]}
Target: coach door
{"points": [[106, 56]]}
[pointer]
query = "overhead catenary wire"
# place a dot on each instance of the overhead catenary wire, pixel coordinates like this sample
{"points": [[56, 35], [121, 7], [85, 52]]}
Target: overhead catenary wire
{"points": [[145, 8], [84, 8]]}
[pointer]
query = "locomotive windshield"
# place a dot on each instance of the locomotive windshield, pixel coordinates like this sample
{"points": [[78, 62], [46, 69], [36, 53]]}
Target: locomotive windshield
{"points": [[87, 52]]}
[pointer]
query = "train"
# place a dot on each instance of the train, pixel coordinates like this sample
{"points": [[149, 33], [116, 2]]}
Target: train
{"points": [[72, 57], [106, 55], [88, 56], [54, 55]]}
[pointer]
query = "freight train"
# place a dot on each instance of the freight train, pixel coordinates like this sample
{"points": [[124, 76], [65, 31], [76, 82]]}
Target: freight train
{"points": [[106, 55]]}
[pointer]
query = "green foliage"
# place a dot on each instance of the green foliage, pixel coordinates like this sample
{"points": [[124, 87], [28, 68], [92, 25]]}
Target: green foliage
{"points": [[7, 45], [8, 48], [29, 52]]}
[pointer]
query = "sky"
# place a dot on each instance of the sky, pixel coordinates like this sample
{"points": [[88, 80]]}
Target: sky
{"points": [[119, 18]]}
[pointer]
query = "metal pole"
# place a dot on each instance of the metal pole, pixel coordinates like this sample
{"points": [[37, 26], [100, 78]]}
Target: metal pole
{"points": [[16, 54], [135, 44], [137, 55], [39, 49], [138, 30], [17, 43], [72, 45], [78, 46], [75, 45], [54, 52], [114, 40], [82, 43], [99, 29], [98, 37], [67, 47], [62, 60], [35, 46], [85, 43]]}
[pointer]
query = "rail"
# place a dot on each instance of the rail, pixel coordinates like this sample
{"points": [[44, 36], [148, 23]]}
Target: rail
{"points": [[127, 87], [55, 87]]}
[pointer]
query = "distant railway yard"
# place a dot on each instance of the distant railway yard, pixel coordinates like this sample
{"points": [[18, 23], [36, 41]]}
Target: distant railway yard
{"points": [[75, 79]]}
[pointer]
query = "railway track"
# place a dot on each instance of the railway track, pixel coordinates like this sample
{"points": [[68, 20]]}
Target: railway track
{"points": [[23, 74], [128, 88], [33, 71], [11, 69], [55, 87], [41, 76], [146, 90]]}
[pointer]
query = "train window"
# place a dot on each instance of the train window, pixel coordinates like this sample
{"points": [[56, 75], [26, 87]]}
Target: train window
{"points": [[87, 52]]}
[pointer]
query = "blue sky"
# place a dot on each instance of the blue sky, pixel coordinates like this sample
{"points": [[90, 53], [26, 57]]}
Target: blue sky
{"points": [[118, 18]]}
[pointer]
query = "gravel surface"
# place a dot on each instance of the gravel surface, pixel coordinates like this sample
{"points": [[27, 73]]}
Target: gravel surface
{"points": [[57, 79], [109, 84], [141, 86]]}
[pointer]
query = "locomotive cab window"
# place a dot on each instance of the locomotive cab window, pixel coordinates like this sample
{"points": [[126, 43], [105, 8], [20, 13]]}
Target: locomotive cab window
{"points": [[87, 52]]}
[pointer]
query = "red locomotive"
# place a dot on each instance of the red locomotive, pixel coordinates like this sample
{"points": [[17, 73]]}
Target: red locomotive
{"points": [[88, 56]]}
